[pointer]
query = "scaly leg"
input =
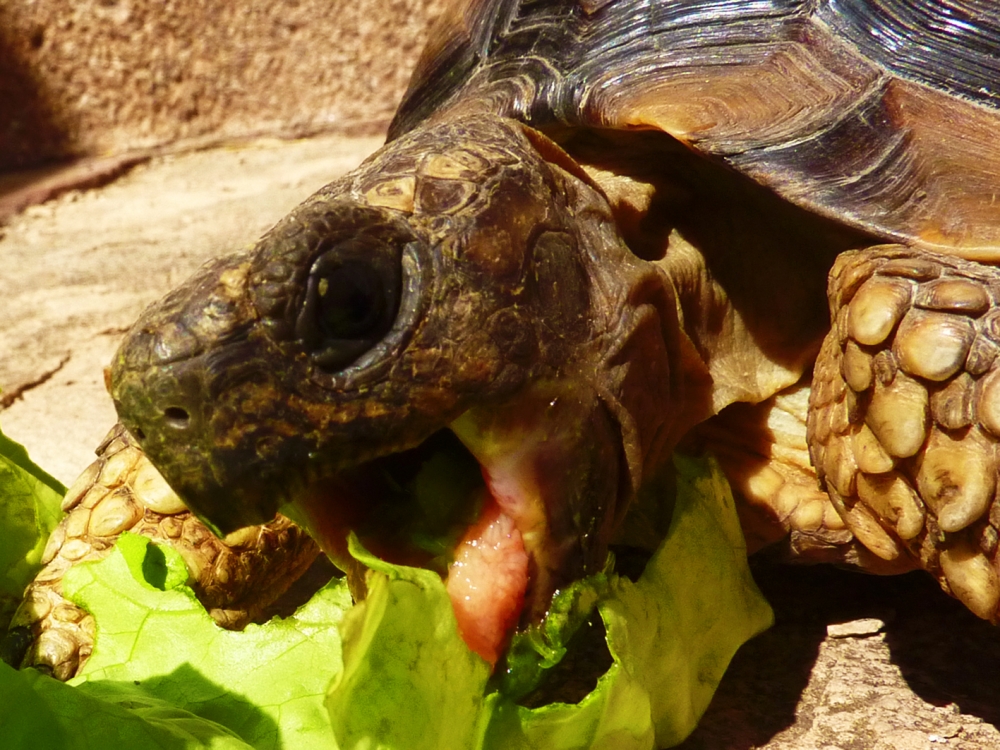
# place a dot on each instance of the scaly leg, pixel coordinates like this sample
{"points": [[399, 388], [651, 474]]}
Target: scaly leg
{"points": [[904, 415], [762, 449], [236, 578]]}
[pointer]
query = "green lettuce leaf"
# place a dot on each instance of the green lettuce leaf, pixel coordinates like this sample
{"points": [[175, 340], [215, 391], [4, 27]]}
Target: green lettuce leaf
{"points": [[539, 648], [671, 634], [409, 680], [40, 713], [29, 511], [266, 683], [392, 671]]}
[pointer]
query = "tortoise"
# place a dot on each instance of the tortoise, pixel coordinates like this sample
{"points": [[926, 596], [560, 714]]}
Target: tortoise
{"points": [[599, 230]]}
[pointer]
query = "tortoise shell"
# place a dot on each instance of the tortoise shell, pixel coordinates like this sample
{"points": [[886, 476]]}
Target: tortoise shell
{"points": [[881, 114]]}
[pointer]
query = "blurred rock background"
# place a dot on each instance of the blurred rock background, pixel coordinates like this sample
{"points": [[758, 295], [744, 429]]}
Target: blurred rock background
{"points": [[101, 77]]}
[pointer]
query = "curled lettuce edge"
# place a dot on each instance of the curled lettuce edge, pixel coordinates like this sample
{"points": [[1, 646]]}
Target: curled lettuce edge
{"points": [[30, 501], [392, 670]]}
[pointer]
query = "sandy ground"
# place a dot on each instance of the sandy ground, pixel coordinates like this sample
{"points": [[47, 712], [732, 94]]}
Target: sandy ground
{"points": [[853, 662]]}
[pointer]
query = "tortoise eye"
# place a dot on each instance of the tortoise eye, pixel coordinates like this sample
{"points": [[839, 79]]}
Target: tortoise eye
{"points": [[350, 304], [351, 300]]}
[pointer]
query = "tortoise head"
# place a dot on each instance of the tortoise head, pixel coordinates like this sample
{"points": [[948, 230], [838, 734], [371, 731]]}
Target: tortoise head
{"points": [[467, 280]]}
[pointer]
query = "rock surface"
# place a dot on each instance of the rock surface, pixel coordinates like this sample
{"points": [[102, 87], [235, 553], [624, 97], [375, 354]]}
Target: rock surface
{"points": [[100, 77], [853, 663], [858, 662]]}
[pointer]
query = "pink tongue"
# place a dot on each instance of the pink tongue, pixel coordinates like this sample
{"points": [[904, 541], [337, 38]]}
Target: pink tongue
{"points": [[487, 582]]}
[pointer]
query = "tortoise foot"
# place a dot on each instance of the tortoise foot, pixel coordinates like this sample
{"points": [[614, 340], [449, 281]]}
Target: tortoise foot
{"points": [[904, 416], [236, 578], [763, 451]]}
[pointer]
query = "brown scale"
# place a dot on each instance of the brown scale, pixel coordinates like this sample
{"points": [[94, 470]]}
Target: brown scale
{"points": [[905, 415], [121, 491]]}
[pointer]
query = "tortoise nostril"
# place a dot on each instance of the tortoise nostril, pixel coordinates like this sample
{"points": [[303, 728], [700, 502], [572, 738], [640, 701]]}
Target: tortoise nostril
{"points": [[176, 416]]}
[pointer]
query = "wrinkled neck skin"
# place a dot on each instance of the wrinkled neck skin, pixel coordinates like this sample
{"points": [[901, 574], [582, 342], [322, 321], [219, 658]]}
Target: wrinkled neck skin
{"points": [[522, 323]]}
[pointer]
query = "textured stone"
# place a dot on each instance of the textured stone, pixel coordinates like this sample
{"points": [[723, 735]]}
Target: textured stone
{"points": [[108, 76]]}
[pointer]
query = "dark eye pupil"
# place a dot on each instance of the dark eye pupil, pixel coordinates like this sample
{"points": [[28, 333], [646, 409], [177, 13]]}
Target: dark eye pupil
{"points": [[351, 301], [350, 304]]}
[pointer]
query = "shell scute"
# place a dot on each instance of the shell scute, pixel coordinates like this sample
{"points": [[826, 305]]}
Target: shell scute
{"points": [[880, 113]]}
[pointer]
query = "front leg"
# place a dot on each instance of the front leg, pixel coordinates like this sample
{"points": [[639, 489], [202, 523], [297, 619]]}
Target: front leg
{"points": [[904, 415]]}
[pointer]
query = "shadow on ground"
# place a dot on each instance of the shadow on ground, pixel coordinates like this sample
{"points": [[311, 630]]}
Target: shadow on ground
{"points": [[937, 650], [30, 129]]}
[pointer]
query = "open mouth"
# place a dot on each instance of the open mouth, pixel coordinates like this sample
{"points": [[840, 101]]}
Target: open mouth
{"points": [[508, 501], [473, 520]]}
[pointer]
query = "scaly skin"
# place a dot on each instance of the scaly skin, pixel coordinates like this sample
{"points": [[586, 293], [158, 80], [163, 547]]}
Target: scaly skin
{"points": [[905, 415], [468, 278]]}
